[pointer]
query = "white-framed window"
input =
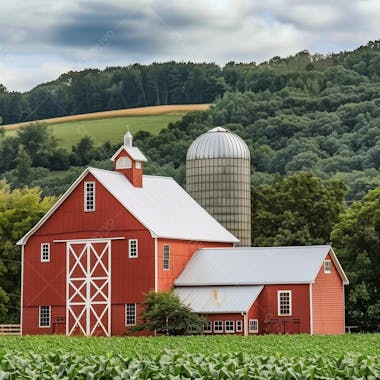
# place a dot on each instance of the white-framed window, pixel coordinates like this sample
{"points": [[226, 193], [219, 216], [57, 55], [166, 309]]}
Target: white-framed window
{"points": [[130, 314], [284, 302], [253, 326], [44, 316], [327, 266], [166, 257], [138, 164], [218, 327], [89, 196], [123, 163], [229, 326], [45, 252], [133, 248], [239, 325], [207, 327]]}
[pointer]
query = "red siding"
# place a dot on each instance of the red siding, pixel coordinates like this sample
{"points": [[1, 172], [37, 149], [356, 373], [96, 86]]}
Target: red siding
{"points": [[266, 310], [180, 253], [328, 302]]}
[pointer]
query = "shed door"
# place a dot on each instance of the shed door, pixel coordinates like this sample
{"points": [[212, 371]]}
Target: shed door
{"points": [[88, 288]]}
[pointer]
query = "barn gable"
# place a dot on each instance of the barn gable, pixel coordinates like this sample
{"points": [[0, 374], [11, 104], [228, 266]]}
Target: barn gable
{"points": [[152, 206]]}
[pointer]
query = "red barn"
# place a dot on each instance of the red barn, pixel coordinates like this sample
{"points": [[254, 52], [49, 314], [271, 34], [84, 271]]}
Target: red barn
{"points": [[115, 235]]}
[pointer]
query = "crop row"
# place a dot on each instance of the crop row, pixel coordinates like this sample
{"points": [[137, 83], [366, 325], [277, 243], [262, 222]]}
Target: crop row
{"points": [[179, 365]]}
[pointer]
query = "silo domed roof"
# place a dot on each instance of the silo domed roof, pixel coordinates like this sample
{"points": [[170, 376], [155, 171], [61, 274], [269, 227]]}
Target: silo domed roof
{"points": [[218, 143]]}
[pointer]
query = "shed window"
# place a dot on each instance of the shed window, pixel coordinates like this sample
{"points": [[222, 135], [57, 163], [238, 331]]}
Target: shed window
{"points": [[327, 266], [44, 320], [89, 196], [253, 326], [284, 302], [124, 163], [45, 252], [133, 248], [207, 327], [229, 326], [138, 164], [130, 314], [239, 326], [218, 326], [166, 262]]}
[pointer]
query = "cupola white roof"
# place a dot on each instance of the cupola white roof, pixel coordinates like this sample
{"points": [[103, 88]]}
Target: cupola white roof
{"points": [[218, 143]]}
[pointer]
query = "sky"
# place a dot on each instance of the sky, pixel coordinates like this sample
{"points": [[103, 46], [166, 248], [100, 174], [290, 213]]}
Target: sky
{"points": [[41, 39]]}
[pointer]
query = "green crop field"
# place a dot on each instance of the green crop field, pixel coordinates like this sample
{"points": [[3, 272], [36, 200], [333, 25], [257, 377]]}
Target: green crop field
{"points": [[200, 357], [109, 129]]}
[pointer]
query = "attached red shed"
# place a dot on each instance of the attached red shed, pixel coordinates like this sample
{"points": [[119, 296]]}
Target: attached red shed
{"points": [[287, 290]]}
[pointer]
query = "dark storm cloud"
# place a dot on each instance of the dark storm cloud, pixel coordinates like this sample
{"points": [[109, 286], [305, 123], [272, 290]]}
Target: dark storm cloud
{"points": [[111, 26]]}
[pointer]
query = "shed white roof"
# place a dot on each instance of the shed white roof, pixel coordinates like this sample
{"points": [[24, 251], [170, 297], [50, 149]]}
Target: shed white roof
{"points": [[161, 205], [219, 299], [256, 266]]}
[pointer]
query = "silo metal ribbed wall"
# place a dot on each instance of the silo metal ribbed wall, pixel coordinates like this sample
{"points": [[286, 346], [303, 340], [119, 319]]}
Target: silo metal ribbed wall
{"points": [[218, 178]]}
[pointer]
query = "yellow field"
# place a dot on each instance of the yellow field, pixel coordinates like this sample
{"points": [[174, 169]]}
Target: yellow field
{"points": [[141, 111]]}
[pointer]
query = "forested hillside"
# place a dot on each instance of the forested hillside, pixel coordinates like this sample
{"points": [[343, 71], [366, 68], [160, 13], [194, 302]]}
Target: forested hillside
{"points": [[312, 124], [137, 85]]}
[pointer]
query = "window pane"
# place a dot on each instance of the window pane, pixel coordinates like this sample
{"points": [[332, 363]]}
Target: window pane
{"points": [[130, 314]]}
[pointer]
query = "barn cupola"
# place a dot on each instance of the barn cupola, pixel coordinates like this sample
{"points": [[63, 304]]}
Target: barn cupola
{"points": [[129, 161]]}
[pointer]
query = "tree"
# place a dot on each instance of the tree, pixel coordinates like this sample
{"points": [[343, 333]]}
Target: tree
{"points": [[297, 210], [165, 313], [38, 142], [22, 172], [356, 238], [19, 212]]}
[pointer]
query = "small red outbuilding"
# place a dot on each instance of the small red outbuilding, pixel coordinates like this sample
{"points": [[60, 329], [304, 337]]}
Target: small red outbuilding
{"points": [[115, 235]]}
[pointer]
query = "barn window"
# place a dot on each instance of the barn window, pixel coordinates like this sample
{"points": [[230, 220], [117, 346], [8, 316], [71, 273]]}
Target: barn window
{"points": [[130, 314], [166, 262], [218, 326], [253, 326], [207, 327], [124, 163], [138, 164], [45, 252], [133, 248], [89, 196], [284, 302], [229, 326], [239, 326], [45, 312], [327, 266]]}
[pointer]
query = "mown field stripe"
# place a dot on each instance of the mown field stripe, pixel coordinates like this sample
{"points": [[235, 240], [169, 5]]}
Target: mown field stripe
{"points": [[141, 111]]}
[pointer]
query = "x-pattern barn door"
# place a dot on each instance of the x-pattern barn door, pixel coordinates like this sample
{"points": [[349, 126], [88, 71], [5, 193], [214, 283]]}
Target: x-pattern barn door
{"points": [[88, 288]]}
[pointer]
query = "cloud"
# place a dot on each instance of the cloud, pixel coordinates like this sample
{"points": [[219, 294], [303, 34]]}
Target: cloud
{"points": [[76, 34]]}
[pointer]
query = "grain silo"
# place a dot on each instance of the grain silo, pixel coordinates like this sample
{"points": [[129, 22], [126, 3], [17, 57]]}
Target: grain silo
{"points": [[218, 178]]}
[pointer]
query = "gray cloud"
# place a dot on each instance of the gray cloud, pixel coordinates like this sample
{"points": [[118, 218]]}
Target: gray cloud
{"points": [[74, 34]]}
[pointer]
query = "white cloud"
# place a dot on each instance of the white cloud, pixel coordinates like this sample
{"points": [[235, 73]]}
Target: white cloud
{"points": [[40, 39]]}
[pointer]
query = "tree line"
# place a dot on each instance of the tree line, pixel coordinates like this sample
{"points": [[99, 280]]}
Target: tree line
{"points": [[136, 85]]}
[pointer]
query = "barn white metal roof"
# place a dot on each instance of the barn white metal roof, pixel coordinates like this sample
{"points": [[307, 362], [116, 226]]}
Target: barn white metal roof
{"points": [[161, 205], [218, 143], [219, 299], [256, 266]]}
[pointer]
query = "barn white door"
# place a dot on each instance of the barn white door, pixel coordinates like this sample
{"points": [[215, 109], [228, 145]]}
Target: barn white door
{"points": [[88, 288]]}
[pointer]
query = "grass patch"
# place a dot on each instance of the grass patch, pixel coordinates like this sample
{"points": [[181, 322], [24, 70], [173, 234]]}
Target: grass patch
{"points": [[110, 129]]}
